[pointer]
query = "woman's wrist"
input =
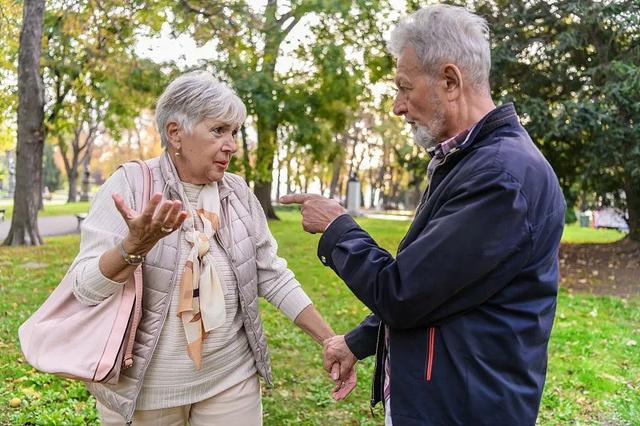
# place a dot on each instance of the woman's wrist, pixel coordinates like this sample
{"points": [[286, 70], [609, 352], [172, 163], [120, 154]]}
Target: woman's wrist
{"points": [[132, 246]]}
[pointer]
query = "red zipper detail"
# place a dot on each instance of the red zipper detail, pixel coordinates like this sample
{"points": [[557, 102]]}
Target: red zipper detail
{"points": [[430, 352]]}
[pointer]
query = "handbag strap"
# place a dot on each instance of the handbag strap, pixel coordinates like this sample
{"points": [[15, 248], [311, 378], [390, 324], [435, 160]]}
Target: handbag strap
{"points": [[137, 275]]}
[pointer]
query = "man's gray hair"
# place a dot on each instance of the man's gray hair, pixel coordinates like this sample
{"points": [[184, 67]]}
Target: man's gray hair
{"points": [[193, 97], [442, 33]]}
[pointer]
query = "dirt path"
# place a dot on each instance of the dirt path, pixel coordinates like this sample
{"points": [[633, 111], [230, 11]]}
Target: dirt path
{"points": [[612, 269]]}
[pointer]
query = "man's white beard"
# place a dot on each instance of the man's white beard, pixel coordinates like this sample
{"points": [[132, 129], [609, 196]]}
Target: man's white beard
{"points": [[431, 135], [424, 136]]}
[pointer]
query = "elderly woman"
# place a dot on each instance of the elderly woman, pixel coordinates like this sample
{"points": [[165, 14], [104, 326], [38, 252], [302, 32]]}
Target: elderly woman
{"points": [[207, 254]]}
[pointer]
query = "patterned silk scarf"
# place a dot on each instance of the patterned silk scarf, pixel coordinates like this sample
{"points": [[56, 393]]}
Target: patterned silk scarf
{"points": [[201, 306]]}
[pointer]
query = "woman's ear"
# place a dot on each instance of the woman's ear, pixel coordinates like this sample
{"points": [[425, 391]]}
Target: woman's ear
{"points": [[173, 135]]}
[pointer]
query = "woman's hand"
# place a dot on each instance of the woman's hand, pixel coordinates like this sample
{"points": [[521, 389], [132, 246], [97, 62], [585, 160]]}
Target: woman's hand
{"points": [[153, 224], [344, 387]]}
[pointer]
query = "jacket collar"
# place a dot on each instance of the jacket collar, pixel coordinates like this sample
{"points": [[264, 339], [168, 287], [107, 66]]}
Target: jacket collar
{"points": [[172, 180]]}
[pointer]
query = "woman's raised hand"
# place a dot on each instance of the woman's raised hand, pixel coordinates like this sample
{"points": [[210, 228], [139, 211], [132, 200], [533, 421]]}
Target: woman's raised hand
{"points": [[153, 224]]}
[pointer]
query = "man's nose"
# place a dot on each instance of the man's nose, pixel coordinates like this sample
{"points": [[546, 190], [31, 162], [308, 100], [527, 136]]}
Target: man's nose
{"points": [[399, 106]]}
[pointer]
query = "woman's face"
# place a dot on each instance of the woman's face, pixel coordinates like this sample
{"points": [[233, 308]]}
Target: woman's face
{"points": [[206, 151]]}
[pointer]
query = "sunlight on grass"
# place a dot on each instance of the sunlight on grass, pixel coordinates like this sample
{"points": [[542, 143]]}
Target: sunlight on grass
{"points": [[576, 235], [53, 209], [594, 363]]}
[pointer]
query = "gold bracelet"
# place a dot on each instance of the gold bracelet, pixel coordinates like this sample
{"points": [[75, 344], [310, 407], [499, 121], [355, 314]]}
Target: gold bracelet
{"points": [[130, 259]]}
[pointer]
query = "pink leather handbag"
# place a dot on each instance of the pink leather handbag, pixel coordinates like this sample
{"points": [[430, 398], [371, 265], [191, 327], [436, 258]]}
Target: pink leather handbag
{"points": [[78, 341]]}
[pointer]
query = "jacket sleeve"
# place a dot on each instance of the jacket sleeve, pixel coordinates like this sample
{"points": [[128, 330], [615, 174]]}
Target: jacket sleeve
{"points": [[473, 245], [276, 281], [362, 340], [102, 229]]}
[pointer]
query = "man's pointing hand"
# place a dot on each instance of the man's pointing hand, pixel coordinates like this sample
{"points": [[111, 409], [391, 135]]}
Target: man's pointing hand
{"points": [[317, 211]]}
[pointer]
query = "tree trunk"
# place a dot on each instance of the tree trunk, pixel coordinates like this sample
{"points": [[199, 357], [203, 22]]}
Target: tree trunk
{"points": [[335, 175], [264, 177], [246, 164], [288, 162], [31, 130], [279, 177], [632, 190], [72, 196], [86, 178]]}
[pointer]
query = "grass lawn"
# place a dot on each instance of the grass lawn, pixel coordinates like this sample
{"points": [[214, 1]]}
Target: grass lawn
{"points": [[52, 209], [575, 234], [594, 365]]}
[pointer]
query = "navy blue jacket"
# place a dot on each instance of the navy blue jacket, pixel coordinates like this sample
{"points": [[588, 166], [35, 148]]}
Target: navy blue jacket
{"points": [[470, 297]]}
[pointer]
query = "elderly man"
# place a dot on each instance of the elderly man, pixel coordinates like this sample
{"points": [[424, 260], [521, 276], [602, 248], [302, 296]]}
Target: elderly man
{"points": [[461, 316]]}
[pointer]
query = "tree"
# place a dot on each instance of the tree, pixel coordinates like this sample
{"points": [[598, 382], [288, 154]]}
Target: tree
{"points": [[50, 171], [95, 82], [250, 46], [580, 99], [10, 18], [31, 131]]}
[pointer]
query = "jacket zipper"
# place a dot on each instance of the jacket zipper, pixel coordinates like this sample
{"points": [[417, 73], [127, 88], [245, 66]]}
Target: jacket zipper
{"points": [[430, 353], [372, 403]]}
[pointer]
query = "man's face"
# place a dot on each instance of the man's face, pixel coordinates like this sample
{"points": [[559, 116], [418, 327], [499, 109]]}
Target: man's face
{"points": [[417, 100]]}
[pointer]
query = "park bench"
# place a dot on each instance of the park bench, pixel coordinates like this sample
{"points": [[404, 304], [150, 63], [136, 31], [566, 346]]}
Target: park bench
{"points": [[80, 217]]}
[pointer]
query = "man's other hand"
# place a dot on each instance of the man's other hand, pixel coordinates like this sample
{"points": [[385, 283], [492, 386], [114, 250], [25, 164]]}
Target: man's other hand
{"points": [[317, 211]]}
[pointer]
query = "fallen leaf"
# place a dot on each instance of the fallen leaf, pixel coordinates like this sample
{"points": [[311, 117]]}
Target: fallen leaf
{"points": [[15, 402], [31, 392]]}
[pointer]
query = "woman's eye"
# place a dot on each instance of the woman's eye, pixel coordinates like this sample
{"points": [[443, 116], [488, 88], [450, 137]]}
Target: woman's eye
{"points": [[217, 130], [234, 133]]}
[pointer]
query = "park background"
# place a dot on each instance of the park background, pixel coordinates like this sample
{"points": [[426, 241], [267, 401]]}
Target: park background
{"points": [[318, 85]]}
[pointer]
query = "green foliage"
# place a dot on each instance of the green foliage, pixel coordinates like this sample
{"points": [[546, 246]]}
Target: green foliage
{"points": [[50, 172], [314, 101], [7, 137], [94, 80], [10, 21], [573, 67], [593, 363]]}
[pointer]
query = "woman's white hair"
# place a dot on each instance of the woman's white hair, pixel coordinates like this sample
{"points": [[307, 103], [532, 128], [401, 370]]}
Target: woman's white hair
{"points": [[443, 33], [194, 96]]}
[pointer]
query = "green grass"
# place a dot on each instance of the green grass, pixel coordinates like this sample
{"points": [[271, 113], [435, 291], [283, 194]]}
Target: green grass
{"points": [[575, 234], [51, 209], [594, 367]]}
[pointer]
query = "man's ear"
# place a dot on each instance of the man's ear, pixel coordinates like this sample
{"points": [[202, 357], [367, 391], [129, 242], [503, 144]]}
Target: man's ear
{"points": [[173, 134], [452, 80]]}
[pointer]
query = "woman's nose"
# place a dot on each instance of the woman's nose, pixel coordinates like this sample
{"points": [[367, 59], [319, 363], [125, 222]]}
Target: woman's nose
{"points": [[230, 144]]}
